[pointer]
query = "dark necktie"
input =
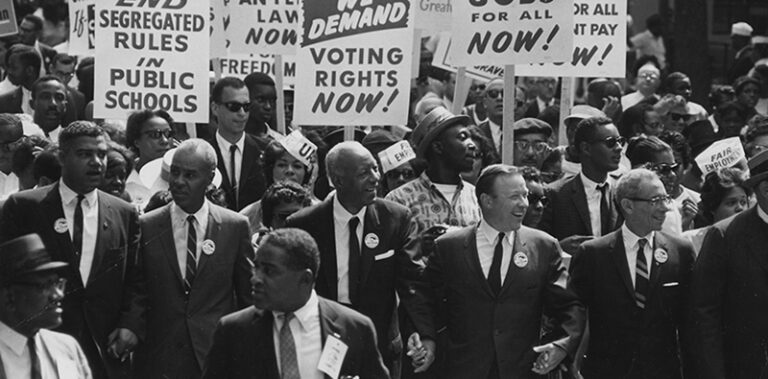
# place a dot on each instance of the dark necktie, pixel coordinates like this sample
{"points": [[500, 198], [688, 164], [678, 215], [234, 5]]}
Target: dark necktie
{"points": [[605, 209], [35, 372], [233, 175], [494, 275], [191, 254], [289, 364], [641, 275], [354, 260], [77, 230]]}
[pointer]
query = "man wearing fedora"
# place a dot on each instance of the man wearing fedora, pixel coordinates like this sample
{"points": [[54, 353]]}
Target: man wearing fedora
{"points": [[98, 235], [194, 258], [635, 284], [31, 291], [730, 292]]}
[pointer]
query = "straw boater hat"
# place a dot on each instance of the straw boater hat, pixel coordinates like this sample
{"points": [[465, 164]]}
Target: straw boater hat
{"points": [[434, 123], [156, 174], [758, 169]]}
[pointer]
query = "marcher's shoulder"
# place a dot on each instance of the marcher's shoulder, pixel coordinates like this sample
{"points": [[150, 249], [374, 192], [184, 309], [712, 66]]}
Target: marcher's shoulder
{"points": [[241, 318], [401, 194], [32, 195], [391, 207], [531, 234], [344, 314], [117, 203], [561, 184], [454, 235], [227, 215], [64, 342]]}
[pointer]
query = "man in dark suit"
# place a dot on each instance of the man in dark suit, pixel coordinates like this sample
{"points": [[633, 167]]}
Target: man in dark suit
{"points": [[545, 89], [492, 283], [263, 95], [635, 283], [581, 207], [98, 235], [290, 328], [730, 294], [195, 261], [366, 250], [30, 31], [238, 153]]}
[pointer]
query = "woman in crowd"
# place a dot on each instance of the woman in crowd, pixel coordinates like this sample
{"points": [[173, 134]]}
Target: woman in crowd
{"points": [[149, 135], [280, 200], [119, 165], [640, 119], [748, 93]]}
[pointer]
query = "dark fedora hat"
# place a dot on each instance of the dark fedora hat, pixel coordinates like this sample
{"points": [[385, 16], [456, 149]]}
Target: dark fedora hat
{"points": [[432, 125], [23, 256], [758, 169]]}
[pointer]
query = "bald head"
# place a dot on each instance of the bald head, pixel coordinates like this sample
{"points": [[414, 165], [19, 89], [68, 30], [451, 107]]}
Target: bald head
{"points": [[200, 149], [354, 173], [344, 156]]}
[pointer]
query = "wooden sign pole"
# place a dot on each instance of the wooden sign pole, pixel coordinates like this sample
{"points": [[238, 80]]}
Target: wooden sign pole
{"points": [[566, 103], [280, 104], [508, 133], [460, 90]]}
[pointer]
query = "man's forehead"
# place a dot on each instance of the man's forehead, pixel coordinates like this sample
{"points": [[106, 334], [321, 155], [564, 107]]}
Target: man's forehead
{"points": [[232, 93], [262, 89], [530, 137], [51, 86]]}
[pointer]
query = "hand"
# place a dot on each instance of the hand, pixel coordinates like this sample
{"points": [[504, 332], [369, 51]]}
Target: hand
{"points": [[688, 212], [572, 243], [428, 238], [121, 342], [422, 353], [612, 105], [550, 356]]}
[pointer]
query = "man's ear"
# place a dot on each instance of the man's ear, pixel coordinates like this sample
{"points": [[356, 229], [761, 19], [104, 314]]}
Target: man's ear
{"points": [[626, 206]]}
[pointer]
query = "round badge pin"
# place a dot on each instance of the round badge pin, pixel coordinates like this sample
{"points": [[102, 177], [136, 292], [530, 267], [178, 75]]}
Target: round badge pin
{"points": [[521, 260], [60, 226], [371, 240], [209, 247], [660, 255]]}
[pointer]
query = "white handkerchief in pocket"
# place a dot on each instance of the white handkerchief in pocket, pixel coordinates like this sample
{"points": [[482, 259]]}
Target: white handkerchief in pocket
{"points": [[670, 284], [386, 255]]}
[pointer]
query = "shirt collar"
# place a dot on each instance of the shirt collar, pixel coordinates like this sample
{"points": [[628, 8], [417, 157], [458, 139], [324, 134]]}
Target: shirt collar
{"points": [[761, 213], [341, 215], [494, 126], [590, 185], [631, 239], [429, 184], [240, 143], [306, 313], [13, 339], [68, 195], [201, 214], [491, 233]]}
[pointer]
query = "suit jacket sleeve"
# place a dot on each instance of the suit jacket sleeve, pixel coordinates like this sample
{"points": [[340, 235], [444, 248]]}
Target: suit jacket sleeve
{"points": [[373, 365], [10, 220], [561, 303], [134, 290], [242, 272], [687, 259], [546, 222], [707, 292], [217, 362]]}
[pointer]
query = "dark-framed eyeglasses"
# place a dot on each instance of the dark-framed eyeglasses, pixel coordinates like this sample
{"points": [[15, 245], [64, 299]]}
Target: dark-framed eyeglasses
{"points": [[649, 76], [534, 199], [611, 142], [494, 93], [664, 168], [656, 200], [678, 117], [406, 174], [59, 284], [537, 146], [477, 87], [157, 133], [234, 106]]}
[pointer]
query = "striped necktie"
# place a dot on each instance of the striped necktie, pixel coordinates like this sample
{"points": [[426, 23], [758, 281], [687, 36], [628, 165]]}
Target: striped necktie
{"points": [[191, 254], [642, 275]]}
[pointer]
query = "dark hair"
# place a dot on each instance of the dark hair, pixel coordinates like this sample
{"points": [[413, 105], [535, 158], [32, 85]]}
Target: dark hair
{"points": [[228, 82], [669, 81], [35, 20], [85, 75], [64, 58], [654, 20], [27, 55], [756, 126], [76, 130], [47, 164], [300, 248], [258, 78], [742, 81], [55, 11], [716, 186], [271, 154], [24, 154], [642, 149], [44, 79], [555, 156], [721, 94], [485, 147], [125, 152], [488, 176], [679, 145], [136, 122], [633, 119], [282, 192], [587, 129]]}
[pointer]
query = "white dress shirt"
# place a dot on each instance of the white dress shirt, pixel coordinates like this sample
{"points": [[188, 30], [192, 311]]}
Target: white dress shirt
{"points": [[53, 135], [181, 229], [544, 105], [26, 107], [593, 203], [631, 244], [496, 134], [15, 358], [9, 184], [90, 206], [307, 337], [487, 237], [225, 154], [341, 232]]}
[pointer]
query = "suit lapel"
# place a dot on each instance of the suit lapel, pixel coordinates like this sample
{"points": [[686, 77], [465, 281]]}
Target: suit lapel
{"points": [[106, 213], [473, 260], [328, 256], [53, 211], [616, 247], [211, 233], [372, 225], [168, 242], [250, 157], [580, 202], [264, 353], [657, 268], [519, 245]]}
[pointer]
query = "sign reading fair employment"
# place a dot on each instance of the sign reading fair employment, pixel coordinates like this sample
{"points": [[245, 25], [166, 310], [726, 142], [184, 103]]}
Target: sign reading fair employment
{"points": [[721, 154], [600, 37], [82, 40], [152, 55], [263, 26], [354, 63], [8, 24], [503, 32]]}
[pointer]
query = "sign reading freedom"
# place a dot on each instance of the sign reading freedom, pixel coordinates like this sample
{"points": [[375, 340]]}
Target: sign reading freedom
{"points": [[152, 55]]}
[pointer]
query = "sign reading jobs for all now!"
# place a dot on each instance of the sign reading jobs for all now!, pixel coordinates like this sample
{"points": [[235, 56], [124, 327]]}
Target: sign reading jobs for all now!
{"points": [[263, 26], [505, 32], [353, 65], [599, 43], [152, 54], [82, 39]]}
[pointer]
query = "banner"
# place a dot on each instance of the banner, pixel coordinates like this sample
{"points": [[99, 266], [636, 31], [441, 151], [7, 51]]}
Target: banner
{"points": [[599, 43], [240, 65], [8, 25], [721, 154], [152, 55], [503, 32], [433, 15], [219, 21], [263, 26], [442, 59], [354, 63]]}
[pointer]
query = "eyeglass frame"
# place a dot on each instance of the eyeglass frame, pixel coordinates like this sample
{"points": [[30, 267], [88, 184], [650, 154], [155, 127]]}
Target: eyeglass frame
{"points": [[157, 133], [47, 287], [229, 105], [610, 142], [654, 201], [538, 146]]}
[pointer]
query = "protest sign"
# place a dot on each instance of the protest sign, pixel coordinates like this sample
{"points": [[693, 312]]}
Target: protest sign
{"points": [[219, 21], [395, 155], [240, 65], [152, 55], [724, 153], [299, 147], [442, 59], [500, 32], [81, 27], [8, 24], [263, 26], [599, 43], [353, 65], [433, 15]]}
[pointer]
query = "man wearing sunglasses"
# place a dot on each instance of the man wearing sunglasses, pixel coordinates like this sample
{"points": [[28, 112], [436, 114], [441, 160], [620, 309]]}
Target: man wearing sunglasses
{"points": [[238, 152], [582, 207], [493, 102]]}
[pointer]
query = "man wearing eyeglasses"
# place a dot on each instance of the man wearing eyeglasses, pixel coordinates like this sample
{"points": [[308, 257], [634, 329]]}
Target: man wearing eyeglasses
{"points": [[11, 135], [493, 102], [635, 284], [31, 291], [531, 146], [581, 207], [238, 153]]}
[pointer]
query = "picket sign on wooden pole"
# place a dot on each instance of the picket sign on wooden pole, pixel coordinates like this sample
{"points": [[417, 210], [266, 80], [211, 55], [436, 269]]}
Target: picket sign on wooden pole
{"points": [[566, 103], [416, 63], [280, 104], [460, 90], [216, 63], [508, 133], [349, 132]]}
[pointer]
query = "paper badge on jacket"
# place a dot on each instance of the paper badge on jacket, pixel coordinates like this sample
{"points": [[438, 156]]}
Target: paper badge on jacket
{"points": [[209, 247], [332, 356], [60, 226], [660, 255]]}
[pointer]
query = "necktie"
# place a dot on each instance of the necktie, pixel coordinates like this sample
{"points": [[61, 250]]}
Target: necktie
{"points": [[642, 273], [354, 259], [191, 254], [233, 175], [494, 275], [33, 359], [289, 365], [77, 230], [605, 209]]}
